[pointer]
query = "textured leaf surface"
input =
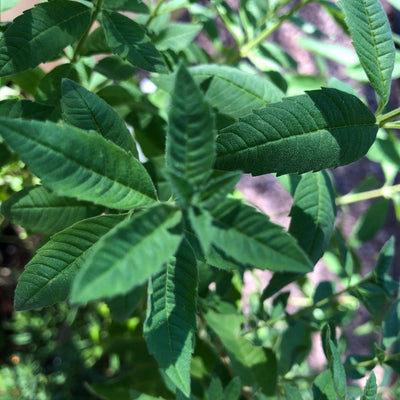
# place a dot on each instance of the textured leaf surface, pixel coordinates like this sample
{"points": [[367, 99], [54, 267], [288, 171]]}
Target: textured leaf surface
{"points": [[190, 147], [14, 108], [176, 36], [313, 213], [372, 39], [48, 276], [40, 34], [337, 370], [85, 110], [40, 210], [254, 365], [370, 389], [249, 237], [129, 40], [171, 316], [129, 254], [80, 164], [321, 129], [234, 92]]}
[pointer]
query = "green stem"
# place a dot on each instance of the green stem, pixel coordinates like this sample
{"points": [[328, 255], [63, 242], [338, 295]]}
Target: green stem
{"points": [[95, 13], [267, 31], [154, 13], [385, 191], [392, 125], [390, 116]]}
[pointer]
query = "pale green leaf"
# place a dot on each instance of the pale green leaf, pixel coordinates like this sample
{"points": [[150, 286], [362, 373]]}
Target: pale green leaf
{"points": [[40, 210], [129, 40], [248, 236], [254, 365], [176, 36], [48, 276], [171, 316], [313, 213], [85, 110], [81, 164], [323, 388], [129, 254], [190, 147], [8, 4], [41, 33], [15, 108], [372, 39], [370, 389], [321, 129]]}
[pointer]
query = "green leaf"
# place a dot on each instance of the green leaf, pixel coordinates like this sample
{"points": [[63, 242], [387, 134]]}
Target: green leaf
{"points": [[176, 36], [337, 370], [233, 389], [115, 68], [391, 325], [14, 108], [278, 281], [313, 214], [67, 166], [41, 33], [122, 307], [40, 210], [370, 389], [190, 147], [323, 388], [48, 276], [126, 5], [129, 40], [5, 154], [292, 393], [95, 43], [129, 254], [8, 4], [249, 238], [171, 316], [321, 129], [85, 110], [372, 39], [369, 224], [254, 365]]}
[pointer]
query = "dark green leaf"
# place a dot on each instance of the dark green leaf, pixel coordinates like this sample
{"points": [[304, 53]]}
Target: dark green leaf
{"points": [[248, 237], [391, 325], [129, 40], [372, 38], [69, 167], [40, 210], [370, 389], [292, 393], [313, 213], [48, 276], [85, 110], [115, 68], [171, 316], [278, 281], [41, 33], [370, 222], [135, 6], [190, 148], [321, 129], [337, 370], [233, 389], [13, 108], [254, 365], [129, 254], [5, 154], [122, 307], [95, 43]]}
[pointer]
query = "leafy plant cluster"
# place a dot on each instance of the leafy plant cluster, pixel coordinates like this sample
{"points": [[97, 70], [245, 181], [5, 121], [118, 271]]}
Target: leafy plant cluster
{"points": [[134, 190]]}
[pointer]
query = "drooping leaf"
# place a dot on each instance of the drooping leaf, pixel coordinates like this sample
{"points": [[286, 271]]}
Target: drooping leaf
{"points": [[254, 365], [248, 236], [313, 214], [40, 210], [321, 129], [48, 276], [14, 108], [122, 307], [372, 39], [41, 33], [85, 110], [129, 40], [190, 147], [80, 164], [129, 254], [171, 316], [370, 389]]}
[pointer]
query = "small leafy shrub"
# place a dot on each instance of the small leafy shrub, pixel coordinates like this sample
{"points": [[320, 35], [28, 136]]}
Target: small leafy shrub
{"points": [[152, 216]]}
